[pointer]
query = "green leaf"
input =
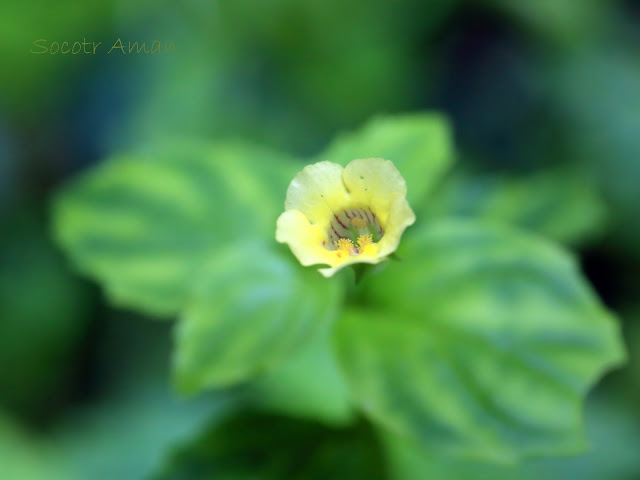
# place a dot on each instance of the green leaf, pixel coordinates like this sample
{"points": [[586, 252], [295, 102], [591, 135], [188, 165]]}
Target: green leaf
{"points": [[44, 312], [613, 454], [631, 376], [420, 145], [252, 310], [563, 25], [562, 204], [26, 456], [268, 447], [309, 384], [143, 224], [482, 342], [188, 229], [128, 435], [127, 430]]}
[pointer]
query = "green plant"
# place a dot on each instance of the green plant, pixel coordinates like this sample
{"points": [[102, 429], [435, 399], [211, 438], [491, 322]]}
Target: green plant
{"points": [[479, 340]]}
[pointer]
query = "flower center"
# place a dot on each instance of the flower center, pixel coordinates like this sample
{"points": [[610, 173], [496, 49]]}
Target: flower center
{"points": [[351, 230]]}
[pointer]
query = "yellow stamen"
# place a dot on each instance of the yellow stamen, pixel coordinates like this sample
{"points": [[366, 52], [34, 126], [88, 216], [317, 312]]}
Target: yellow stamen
{"points": [[364, 240], [345, 247], [358, 222]]}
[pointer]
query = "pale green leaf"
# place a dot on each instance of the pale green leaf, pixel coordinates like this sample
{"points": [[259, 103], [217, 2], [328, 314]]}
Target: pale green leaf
{"points": [[309, 384], [614, 442], [252, 308], [24, 455], [562, 204], [142, 224], [481, 342], [420, 145]]}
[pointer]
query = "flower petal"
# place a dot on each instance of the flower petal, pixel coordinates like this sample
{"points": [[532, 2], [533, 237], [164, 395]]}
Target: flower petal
{"points": [[304, 239], [318, 191], [374, 182], [400, 217], [329, 272]]}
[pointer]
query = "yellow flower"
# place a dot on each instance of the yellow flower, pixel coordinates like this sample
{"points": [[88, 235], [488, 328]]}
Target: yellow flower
{"points": [[340, 216]]}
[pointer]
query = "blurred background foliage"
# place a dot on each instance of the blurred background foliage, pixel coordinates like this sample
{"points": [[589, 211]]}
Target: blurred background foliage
{"points": [[544, 101]]}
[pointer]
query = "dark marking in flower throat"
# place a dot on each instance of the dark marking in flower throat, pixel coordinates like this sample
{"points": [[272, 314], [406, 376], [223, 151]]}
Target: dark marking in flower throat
{"points": [[351, 223], [340, 222]]}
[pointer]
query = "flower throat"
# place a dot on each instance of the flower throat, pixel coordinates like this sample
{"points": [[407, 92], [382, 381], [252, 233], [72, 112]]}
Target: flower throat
{"points": [[352, 229]]}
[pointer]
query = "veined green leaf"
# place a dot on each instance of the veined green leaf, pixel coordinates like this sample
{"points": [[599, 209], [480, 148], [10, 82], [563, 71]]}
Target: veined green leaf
{"points": [[309, 384], [185, 231], [143, 224], [480, 342], [250, 310], [561, 204], [614, 440], [420, 145]]}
